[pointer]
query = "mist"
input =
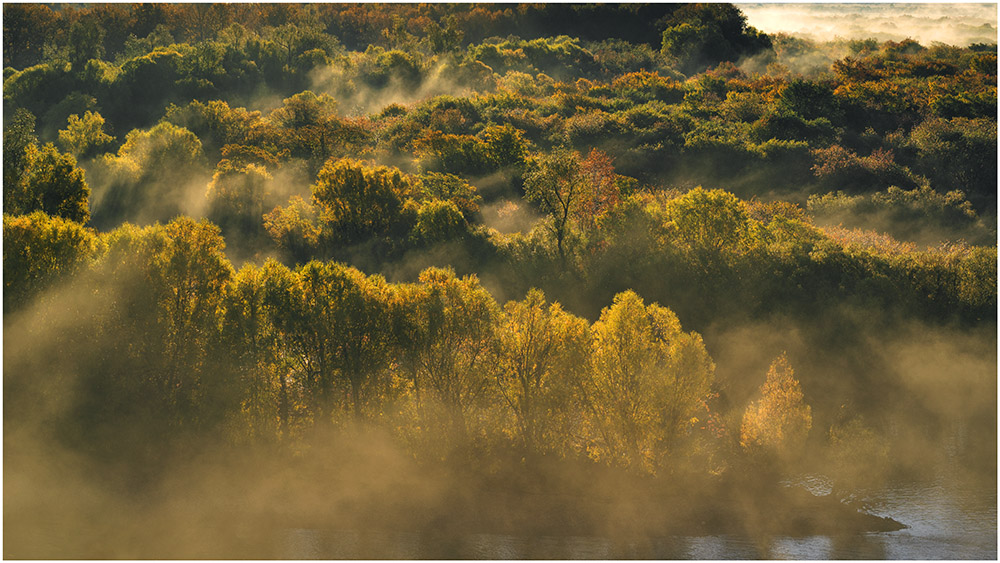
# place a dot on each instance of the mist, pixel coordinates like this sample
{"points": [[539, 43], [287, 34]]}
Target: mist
{"points": [[550, 295], [959, 24]]}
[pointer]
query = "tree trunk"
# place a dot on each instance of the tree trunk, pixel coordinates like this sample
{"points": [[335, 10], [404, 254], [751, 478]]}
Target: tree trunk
{"points": [[356, 396]]}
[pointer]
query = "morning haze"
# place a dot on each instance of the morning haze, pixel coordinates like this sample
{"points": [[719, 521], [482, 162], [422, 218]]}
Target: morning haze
{"points": [[433, 281]]}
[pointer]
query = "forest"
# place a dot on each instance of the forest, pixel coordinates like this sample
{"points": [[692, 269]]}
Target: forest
{"points": [[467, 268]]}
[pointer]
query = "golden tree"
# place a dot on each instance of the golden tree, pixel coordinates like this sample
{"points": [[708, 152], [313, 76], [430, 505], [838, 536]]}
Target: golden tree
{"points": [[780, 420]]}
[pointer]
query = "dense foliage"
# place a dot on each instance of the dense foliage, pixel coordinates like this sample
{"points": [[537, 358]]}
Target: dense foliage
{"points": [[483, 228]]}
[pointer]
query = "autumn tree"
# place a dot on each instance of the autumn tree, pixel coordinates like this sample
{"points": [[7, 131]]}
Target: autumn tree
{"points": [[149, 179], [604, 188], [357, 201], [779, 421], [541, 350], [303, 312], [250, 333], [150, 378], [84, 136], [336, 324], [363, 331], [648, 385], [453, 326], [39, 250], [51, 182], [217, 125], [294, 228]]}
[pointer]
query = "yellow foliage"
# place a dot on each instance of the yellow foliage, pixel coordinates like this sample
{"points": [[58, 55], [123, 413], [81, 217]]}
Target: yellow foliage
{"points": [[780, 420]]}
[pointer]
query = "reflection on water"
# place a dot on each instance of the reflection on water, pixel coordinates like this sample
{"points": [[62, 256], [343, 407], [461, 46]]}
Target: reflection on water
{"points": [[947, 518]]}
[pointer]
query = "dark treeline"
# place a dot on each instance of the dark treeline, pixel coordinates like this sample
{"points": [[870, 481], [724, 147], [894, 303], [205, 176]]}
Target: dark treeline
{"points": [[647, 240]]}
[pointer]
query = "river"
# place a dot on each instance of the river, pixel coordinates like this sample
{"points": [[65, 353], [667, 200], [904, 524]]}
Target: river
{"points": [[948, 516]]}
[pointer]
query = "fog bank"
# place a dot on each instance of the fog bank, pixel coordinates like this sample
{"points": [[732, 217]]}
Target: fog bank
{"points": [[955, 24]]}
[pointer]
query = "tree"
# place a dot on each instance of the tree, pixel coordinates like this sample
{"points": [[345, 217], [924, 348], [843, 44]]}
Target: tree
{"points": [[52, 183], [711, 221], [26, 29], [434, 185], [237, 197], [39, 250], [84, 137], [540, 351], [86, 41], [465, 155], [304, 313], [162, 287], [359, 201], [700, 36], [217, 125], [604, 188], [959, 154], [150, 177], [649, 382], [304, 109], [505, 145], [18, 135], [714, 234], [555, 183], [338, 325], [191, 272], [293, 228], [250, 333], [438, 221], [364, 334], [779, 421], [453, 326]]}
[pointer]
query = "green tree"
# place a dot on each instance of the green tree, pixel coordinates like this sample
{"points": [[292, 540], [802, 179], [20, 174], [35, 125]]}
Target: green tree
{"points": [[86, 41], [217, 125], [150, 177], [557, 186], [711, 221], [700, 36], [505, 145], [18, 135], [959, 154], [434, 185], [438, 221], [304, 109]]}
